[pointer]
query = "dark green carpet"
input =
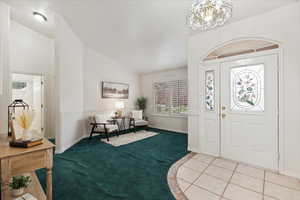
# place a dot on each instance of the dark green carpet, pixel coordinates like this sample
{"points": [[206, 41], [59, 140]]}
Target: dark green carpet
{"points": [[93, 170]]}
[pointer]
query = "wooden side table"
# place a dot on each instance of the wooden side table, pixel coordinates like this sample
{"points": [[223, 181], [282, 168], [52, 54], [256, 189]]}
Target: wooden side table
{"points": [[122, 126], [16, 161]]}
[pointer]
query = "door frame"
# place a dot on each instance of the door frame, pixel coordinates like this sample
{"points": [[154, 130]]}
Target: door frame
{"points": [[43, 120], [281, 108]]}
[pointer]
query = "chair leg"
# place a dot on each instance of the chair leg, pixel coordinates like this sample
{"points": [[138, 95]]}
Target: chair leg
{"points": [[92, 131], [107, 136]]}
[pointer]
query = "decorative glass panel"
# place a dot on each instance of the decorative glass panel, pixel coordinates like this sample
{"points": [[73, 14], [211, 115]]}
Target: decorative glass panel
{"points": [[247, 88], [210, 90]]}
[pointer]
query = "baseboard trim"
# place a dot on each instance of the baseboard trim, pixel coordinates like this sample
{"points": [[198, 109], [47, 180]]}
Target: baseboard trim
{"points": [[168, 129], [192, 149], [63, 149], [290, 174]]}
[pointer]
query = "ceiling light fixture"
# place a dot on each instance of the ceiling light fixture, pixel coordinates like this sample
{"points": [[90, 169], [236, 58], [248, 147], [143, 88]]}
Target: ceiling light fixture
{"points": [[40, 17], [208, 14]]}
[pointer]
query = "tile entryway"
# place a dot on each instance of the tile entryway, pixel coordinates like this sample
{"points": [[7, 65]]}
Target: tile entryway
{"points": [[203, 177]]}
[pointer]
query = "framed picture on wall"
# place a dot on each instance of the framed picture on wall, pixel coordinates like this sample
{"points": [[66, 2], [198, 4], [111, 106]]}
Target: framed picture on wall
{"points": [[111, 90]]}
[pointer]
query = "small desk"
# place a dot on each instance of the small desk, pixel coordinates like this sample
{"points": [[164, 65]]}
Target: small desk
{"points": [[16, 161]]}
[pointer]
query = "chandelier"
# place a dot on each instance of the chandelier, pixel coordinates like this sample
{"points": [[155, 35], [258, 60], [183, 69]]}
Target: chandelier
{"points": [[208, 14]]}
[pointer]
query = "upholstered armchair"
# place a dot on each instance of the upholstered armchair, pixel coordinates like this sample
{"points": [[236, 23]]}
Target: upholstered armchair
{"points": [[103, 124], [137, 120]]}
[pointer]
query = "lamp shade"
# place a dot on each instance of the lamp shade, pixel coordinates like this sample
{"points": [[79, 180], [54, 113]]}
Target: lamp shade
{"points": [[119, 105]]}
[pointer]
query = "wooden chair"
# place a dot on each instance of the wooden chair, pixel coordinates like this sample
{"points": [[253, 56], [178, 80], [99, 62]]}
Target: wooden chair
{"points": [[103, 124], [137, 120]]}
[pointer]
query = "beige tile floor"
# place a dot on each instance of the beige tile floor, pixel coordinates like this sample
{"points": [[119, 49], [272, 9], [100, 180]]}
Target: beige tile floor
{"points": [[204, 177]]}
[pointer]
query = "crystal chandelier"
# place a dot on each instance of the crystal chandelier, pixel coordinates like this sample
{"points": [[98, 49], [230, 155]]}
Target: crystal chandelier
{"points": [[208, 14]]}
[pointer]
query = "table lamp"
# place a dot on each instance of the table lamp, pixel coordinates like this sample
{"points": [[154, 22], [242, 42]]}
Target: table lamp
{"points": [[119, 106]]}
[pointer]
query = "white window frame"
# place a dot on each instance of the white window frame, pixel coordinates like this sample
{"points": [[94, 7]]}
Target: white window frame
{"points": [[169, 113]]}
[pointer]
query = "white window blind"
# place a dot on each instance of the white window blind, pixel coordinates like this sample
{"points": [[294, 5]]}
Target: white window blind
{"points": [[171, 97]]}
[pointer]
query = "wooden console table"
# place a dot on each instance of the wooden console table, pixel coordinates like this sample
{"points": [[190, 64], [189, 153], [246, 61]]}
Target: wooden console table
{"points": [[16, 161]]}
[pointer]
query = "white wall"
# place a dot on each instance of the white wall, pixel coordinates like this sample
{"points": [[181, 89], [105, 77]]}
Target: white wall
{"points": [[4, 65], [33, 53], [73, 74], [173, 123], [98, 68], [79, 72], [69, 86], [281, 25]]}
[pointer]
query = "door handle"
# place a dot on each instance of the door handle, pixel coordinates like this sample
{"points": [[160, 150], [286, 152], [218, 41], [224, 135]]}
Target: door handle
{"points": [[223, 116]]}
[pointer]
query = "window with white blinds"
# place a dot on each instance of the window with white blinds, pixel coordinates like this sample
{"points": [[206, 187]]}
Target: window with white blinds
{"points": [[171, 97]]}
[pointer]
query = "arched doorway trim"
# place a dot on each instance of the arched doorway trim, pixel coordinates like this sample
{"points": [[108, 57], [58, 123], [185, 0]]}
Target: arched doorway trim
{"points": [[272, 47], [240, 46]]}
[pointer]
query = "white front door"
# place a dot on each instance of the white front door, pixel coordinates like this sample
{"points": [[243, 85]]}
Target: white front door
{"points": [[249, 111]]}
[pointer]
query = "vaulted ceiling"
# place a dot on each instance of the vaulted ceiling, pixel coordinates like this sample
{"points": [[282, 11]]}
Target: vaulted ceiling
{"points": [[140, 34]]}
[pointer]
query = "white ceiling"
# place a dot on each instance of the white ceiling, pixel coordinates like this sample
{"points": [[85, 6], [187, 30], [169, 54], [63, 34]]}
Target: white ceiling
{"points": [[145, 35], [22, 12]]}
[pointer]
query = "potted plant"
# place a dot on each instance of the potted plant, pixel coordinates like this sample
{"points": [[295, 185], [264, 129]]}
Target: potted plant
{"points": [[18, 184], [141, 103]]}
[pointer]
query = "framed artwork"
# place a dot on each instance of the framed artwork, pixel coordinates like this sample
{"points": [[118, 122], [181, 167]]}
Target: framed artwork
{"points": [[111, 90]]}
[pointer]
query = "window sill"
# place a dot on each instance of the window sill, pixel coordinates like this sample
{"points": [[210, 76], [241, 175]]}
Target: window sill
{"points": [[170, 116]]}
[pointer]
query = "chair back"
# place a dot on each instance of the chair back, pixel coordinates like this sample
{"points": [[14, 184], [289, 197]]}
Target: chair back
{"points": [[137, 114], [102, 118], [92, 119]]}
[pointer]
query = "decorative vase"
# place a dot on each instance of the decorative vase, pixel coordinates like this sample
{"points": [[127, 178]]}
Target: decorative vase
{"points": [[17, 192], [27, 135]]}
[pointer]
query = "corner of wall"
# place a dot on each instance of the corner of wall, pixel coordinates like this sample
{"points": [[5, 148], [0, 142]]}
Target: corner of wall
{"points": [[69, 90]]}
